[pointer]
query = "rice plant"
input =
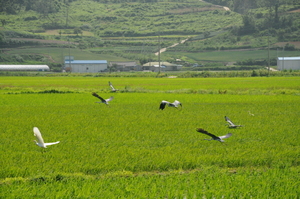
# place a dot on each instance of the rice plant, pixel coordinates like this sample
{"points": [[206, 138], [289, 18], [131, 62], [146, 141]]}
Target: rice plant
{"points": [[131, 149]]}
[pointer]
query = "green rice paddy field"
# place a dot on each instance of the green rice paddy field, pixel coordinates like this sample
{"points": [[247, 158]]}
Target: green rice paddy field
{"points": [[131, 149]]}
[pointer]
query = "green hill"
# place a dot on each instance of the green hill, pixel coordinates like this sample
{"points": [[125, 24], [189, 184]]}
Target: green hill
{"points": [[135, 30]]}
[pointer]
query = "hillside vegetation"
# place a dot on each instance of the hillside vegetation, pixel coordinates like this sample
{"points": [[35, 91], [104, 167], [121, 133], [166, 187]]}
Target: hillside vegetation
{"points": [[135, 30]]}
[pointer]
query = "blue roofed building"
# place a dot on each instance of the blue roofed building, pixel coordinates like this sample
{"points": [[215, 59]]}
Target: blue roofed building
{"points": [[85, 66]]}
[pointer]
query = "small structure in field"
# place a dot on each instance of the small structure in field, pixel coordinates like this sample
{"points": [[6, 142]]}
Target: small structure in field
{"points": [[162, 66], [288, 63], [85, 66]]}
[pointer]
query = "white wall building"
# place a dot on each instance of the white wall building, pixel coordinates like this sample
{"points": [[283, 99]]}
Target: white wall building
{"points": [[164, 66], [85, 66], [24, 68], [287, 63]]}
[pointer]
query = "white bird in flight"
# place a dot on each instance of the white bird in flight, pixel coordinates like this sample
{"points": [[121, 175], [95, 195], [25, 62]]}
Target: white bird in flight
{"points": [[213, 137], [105, 101], [175, 104], [112, 87], [40, 139], [231, 124]]}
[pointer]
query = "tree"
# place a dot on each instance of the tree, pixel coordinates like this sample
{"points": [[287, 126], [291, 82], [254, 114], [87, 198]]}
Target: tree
{"points": [[113, 67], [206, 34], [3, 22], [249, 24], [77, 31], [2, 38], [11, 6]]}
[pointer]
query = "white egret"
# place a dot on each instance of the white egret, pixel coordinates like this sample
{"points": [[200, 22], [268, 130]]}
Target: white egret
{"points": [[213, 137], [104, 101], [112, 87], [40, 139], [175, 104], [231, 124]]}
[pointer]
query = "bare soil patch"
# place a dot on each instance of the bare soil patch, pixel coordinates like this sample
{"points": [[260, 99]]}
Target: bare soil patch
{"points": [[293, 11], [282, 44]]}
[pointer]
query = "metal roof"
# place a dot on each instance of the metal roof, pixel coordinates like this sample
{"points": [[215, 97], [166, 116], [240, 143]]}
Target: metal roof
{"points": [[86, 62], [288, 58], [24, 67]]}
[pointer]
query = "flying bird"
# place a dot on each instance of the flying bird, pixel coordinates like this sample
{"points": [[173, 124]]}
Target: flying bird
{"points": [[174, 104], [231, 124], [112, 87], [213, 137], [40, 139], [105, 101]]}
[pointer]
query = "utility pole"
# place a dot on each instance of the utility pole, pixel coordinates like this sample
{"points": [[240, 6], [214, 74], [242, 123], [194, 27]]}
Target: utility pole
{"points": [[268, 54], [159, 53], [69, 55], [283, 59], [67, 17]]}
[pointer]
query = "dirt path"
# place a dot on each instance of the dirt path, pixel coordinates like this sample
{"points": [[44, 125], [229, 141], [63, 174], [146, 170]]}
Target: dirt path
{"points": [[225, 8], [164, 49]]}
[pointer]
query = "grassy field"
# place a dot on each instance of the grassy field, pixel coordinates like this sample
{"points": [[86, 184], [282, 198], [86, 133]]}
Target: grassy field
{"points": [[58, 54], [133, 150], [229, 56]]}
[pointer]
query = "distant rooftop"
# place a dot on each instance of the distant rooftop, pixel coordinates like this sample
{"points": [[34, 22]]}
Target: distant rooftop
{"points": [[86, 61], [288, 58]]}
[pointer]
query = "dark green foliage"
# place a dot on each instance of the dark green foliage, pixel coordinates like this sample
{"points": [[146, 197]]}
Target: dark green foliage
{"points": [[129, 29]]}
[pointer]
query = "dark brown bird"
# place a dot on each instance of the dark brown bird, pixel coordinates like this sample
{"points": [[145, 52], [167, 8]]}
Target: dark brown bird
{"points": [[214, 137]]}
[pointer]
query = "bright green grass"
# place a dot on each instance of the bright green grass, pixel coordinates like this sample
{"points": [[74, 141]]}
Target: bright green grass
{"points": [[257, 85], [133, 150]]}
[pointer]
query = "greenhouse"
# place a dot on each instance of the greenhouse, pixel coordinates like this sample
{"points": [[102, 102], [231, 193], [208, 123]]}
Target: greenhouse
{"points": [[24, 68]]}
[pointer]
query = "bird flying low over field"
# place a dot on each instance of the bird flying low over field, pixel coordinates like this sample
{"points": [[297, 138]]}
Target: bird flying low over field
{"points": [[112, 87], [40, 139], [213, 137], [175, 104], [104, 101], [231, 124]]}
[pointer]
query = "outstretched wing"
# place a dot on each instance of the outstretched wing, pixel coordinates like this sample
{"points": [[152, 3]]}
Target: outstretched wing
{"points": [[38, 135], [207, 133], [112, 87], [177, 103], [51, 143], [163, 104], [225, 136], [96, 95], [229, 121], [109, 99]]}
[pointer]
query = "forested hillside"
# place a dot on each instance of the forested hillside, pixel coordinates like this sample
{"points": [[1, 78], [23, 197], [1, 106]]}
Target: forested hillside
{"points": [[130, 28]]}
